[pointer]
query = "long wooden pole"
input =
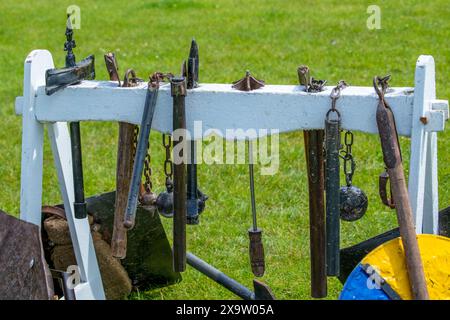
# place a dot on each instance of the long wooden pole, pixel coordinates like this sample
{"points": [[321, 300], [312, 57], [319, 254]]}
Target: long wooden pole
{"points": [[124, 170], [315, 169], [316, 184], [178, 91]]}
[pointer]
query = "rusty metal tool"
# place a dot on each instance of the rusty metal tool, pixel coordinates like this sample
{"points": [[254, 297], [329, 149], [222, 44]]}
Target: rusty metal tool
{"points": [[256, 248], [141, 150], [178, 92], [332, 181], [393, 161], [57, 79]]}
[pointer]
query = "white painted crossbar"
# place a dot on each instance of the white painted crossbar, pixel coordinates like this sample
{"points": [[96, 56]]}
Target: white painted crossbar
{"points": [[218, 106], [286, 108]]}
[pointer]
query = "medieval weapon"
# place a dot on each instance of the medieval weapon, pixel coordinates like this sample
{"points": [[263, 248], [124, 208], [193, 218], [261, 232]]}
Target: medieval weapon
{"points": [[58, 79], [315, 168], [178, 92], [261, 290], [141, 149], [123, 171], [393, 161], [125, 154], [248, 83], [195, 198], [332, 182], [353, 200], [73, 73], [256, 248]]}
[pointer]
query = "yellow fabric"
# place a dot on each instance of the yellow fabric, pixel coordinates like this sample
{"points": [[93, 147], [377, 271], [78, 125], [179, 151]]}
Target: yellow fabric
{"points": [[389, 261]]}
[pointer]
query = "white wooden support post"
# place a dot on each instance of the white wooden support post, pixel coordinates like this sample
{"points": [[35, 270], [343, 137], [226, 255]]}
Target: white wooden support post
{"points": [[91, 286], [36, 64], [423, 178]]}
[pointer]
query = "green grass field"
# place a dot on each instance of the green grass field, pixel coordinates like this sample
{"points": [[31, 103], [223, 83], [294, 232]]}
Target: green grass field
{"points": [[270, 38]]}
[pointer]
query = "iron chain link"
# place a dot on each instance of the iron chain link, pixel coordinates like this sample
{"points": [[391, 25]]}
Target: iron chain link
{"points": [[167, 143], [347, 156], [148, 185]]}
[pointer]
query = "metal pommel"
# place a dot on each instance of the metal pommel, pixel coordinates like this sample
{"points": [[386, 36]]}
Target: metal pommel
{"points": [[178, 86]]}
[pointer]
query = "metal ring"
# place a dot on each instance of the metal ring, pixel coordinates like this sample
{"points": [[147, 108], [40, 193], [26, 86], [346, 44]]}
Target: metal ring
{"points": [[333, 110]]}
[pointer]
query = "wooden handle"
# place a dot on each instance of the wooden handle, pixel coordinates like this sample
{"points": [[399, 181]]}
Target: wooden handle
{"points": [[123, 171], [408, 234], [393, 161], [315, 167], [256, 252], [123, 178], [178, 91]]}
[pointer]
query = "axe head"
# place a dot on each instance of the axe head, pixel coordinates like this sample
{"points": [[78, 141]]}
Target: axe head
{"points": [[57, 79]]}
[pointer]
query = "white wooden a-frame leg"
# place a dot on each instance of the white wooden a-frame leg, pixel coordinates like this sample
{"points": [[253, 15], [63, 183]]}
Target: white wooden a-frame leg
{"points": [[91, 286], [32, 138], [37, 62], [428, 113], [424, 93], [431, 204], [430, 222]]}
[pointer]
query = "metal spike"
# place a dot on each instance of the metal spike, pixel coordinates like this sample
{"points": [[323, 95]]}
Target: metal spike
{"points": [[69, 44], [192, 67]]}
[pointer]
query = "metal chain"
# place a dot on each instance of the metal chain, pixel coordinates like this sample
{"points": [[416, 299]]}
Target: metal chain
{"points": [[334, 95], [135, 140], [168, 169], [347, 156], [148, 171], [148, 185]]}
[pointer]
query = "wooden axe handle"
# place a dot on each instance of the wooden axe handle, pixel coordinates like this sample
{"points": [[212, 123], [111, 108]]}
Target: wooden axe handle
{"points": [[408, 234], [123, 179], [316, 186], [123, 172]]}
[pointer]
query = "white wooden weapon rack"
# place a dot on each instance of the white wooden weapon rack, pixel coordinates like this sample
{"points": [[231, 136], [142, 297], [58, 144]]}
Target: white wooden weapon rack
{"points": [[284, 107]]}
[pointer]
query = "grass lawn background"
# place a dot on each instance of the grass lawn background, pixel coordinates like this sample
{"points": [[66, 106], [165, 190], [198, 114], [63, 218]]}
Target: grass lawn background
{"points": [[270, 38]]}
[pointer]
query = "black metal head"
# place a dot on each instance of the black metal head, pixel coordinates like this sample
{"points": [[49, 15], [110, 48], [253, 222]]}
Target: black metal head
{"points": [[69, 44], [192, 66]]}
